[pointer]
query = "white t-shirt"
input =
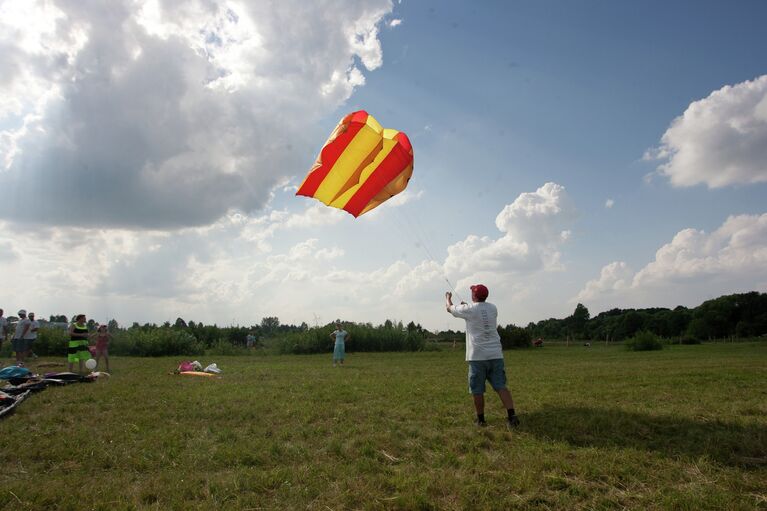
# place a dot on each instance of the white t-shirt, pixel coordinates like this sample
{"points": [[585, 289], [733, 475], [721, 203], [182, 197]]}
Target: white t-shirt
{"points": [[30, 334], [20, 328], [482, 339]]}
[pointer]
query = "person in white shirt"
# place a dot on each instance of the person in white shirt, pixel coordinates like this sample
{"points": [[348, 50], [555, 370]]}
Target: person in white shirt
{"points": [[19, 342], [31, 336], [3, 328], [483, 351]]}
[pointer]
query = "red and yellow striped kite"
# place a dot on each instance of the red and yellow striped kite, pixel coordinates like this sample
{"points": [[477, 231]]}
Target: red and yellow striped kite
{"points": [[361, 165]]}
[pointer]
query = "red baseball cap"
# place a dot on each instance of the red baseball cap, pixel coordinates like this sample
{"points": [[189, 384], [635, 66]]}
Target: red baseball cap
{"points": [[480, 291]]}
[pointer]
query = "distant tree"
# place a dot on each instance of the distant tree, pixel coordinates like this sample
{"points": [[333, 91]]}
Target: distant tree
{"points": [[741, 315], [629, 324], [679, 319], [270, 324], [577, 322], [180, 323], [698, 329], [112, 325]]}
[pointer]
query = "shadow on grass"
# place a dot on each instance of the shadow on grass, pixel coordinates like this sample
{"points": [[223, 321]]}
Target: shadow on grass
{"points": [[724, 442]]}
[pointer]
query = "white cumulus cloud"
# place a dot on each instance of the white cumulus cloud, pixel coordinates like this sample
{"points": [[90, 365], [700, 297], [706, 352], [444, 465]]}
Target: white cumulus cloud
{"points": [[615, 276], [693, 266], [718, 141], [533, 229]]}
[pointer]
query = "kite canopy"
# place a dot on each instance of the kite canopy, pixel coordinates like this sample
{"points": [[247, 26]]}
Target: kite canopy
{"points": [[361, 165]]}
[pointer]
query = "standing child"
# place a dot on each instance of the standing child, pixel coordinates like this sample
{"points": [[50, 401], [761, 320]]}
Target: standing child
{"points": [[77, 351], [102, 345], [339, 350]]}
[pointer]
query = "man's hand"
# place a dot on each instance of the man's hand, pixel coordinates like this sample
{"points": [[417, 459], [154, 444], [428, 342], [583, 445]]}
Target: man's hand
{"points": [[448, 300]]}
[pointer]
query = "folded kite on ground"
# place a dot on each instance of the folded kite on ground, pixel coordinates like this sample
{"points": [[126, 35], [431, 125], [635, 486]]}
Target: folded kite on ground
{"points": [[8, 403], [197, 373]]}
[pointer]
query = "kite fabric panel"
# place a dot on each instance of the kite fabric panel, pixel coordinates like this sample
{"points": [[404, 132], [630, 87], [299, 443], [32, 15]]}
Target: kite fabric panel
{"points": [[361, 165]]}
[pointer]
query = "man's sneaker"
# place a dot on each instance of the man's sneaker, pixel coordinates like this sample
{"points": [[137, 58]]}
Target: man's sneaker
{"points": [[513, 421], [480, 424]]}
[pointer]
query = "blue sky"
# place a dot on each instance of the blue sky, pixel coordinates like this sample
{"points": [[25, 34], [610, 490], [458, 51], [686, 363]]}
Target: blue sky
{"points": [[175, 135]]}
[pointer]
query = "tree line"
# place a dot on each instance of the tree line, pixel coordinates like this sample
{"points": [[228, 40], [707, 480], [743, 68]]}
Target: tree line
{"points": [[730, 316]]}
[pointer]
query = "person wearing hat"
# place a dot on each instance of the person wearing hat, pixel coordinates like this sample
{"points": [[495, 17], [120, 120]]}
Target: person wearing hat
{"points": [[19, 341], [483, 351], [31, 335]]}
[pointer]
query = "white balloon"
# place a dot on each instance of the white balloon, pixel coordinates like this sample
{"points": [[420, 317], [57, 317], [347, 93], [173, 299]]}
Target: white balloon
{"points": [[91, 364]]}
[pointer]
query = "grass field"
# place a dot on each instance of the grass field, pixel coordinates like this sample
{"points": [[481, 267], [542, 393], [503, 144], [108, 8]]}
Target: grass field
{"points": [[602, 428]]}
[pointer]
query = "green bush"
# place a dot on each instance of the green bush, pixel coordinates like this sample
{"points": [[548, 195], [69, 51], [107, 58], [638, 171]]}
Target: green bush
{"points": [[311, 341], [514, 337], [361, 338], [51, 342], [156, 342], [431, 346], [644, 341], [689, 340], [225, 348]]}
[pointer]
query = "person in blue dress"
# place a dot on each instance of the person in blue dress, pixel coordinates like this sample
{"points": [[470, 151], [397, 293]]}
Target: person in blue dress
{"points": [[341, 336]]}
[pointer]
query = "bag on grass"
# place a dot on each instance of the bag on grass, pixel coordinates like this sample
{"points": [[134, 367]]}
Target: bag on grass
{"points": [[185, 366], [213, 368], [14, 372]]}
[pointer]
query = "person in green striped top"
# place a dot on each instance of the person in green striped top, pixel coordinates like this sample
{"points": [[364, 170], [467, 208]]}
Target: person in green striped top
{"points": [[77, 350]]}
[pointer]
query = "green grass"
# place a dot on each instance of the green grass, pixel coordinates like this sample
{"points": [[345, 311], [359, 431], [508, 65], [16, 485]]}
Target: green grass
{"points": [[602, 428]]}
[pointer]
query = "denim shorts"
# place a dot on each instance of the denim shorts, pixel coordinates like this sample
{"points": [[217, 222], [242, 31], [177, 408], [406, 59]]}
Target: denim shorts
{"points": [[19, 345], [491, 370]]}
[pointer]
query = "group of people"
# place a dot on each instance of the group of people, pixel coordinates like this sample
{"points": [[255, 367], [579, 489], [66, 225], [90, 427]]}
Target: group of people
{"points": [[24, 335], [78, 350], [484, 352]]}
